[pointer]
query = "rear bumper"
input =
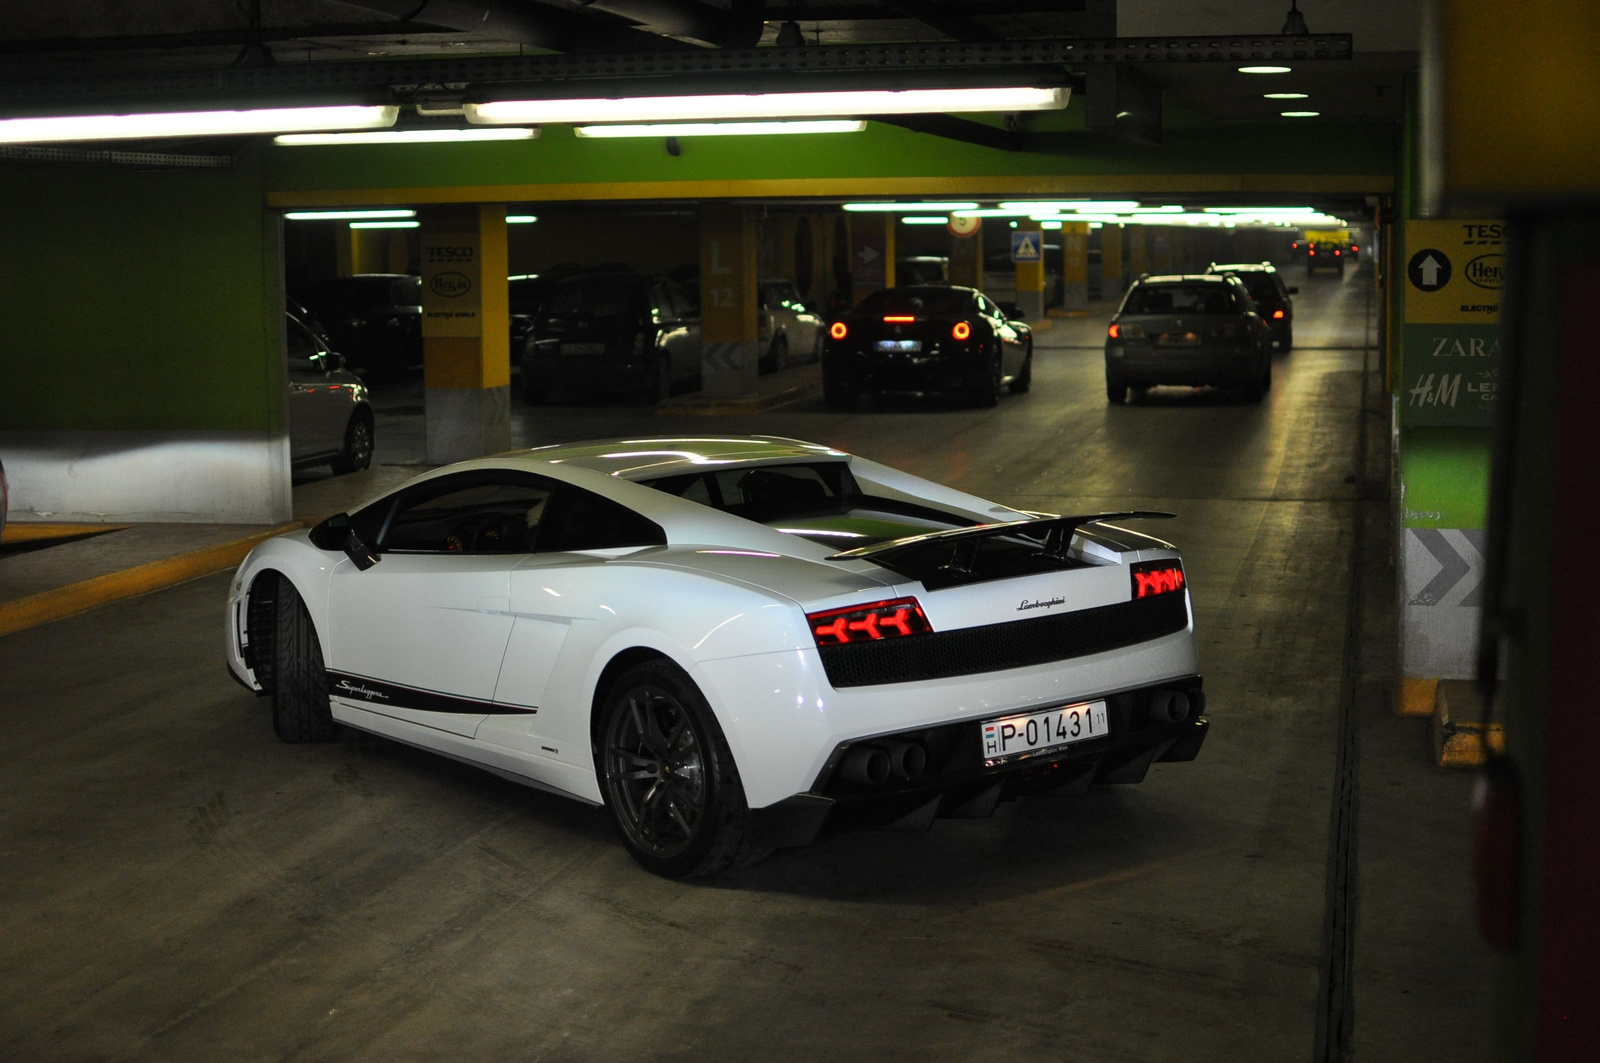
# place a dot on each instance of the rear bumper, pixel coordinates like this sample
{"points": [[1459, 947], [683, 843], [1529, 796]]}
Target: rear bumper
{"points": [[957, 785], [954, 371], [1195, 367]]}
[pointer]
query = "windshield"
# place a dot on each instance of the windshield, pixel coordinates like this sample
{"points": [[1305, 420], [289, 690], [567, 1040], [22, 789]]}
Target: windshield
{"points": [[920, 302], [347, 294], [599, 295], [1178, 299]]}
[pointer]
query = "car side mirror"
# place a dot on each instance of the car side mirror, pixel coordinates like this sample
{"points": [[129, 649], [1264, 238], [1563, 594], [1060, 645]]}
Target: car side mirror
{"points": [[1294, 290], [1011, 310], [337, 533]]}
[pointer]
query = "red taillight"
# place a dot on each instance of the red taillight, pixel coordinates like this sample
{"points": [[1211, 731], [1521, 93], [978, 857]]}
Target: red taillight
{"points": [[961, 331], [838, 330], [1157, 577], [1114, 331], [1354, 248], [1277, 314], [1337, 252], [868, 623], [899, 319], [1312, 252]]}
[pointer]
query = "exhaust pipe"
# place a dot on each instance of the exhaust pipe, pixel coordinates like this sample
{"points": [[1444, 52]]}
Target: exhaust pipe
{"points": [[866, 764], [907, 760], [1169, 706]]}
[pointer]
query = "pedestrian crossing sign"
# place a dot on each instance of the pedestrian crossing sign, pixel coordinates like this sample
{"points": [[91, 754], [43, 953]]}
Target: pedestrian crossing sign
{"points": [[1025, 246]]}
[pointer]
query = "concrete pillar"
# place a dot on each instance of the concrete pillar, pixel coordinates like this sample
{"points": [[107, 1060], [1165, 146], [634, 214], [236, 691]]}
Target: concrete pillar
{"points": [[369, 250], [966, 259], [1030, 274], [1075, 265], [871, 254], [1178, 242], [1160, 250], [1138, 251], [1113, 280], [343, 249], [465, 332], [729, 339], [399, 252]]}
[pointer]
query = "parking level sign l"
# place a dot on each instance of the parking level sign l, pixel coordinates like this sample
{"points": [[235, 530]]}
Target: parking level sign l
{"points": [[1025, 246]]}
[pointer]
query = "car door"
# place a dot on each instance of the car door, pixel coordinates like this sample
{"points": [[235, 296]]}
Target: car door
{"points": [[564, 597], [1012, 347], [420, 635], [316, 408], [685, 336]]}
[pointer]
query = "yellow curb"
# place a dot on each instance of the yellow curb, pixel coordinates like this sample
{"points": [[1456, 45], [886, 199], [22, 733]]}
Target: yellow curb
{"points": [[60, 602], [1459, 734], [1417, 697], [33, 531]]}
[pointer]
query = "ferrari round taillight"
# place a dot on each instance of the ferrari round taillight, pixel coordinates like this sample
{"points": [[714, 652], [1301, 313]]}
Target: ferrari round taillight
{"points": [[1114, 332], [838, 330], [961, 331], [868, 623]]}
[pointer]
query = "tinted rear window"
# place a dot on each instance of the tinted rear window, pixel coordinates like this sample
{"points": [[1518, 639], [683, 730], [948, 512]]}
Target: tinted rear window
{"points": [[1178, 299], [356, 293], [602, 295], [920, 302]]}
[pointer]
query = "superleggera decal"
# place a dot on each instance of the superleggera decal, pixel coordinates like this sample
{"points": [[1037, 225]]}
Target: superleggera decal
{"points": [[377, 692]]}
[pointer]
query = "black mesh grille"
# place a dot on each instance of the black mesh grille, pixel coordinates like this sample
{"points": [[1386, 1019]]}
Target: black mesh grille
{"points": [[996, 647]]}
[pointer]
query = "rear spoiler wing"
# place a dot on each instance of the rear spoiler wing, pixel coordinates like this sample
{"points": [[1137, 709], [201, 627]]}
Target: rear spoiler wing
{"points": [[1057, 536]]}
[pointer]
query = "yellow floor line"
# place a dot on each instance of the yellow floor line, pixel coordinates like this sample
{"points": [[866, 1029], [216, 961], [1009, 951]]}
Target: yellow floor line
{"points": [[59, 602], [33, 531]]}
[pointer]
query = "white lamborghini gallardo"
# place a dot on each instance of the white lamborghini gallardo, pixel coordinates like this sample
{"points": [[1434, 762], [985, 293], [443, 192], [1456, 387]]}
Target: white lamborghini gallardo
{"points": [[731, 643]]}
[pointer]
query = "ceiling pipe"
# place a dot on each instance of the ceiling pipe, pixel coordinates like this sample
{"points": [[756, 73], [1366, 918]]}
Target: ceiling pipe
{"points": [[538, 25], [740, 28]]}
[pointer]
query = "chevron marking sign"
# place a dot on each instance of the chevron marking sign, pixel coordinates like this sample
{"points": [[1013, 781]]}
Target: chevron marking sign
{"points": [[1442, 573]]}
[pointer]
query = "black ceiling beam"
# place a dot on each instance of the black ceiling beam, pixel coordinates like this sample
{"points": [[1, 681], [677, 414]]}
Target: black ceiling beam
{"points": [[689, 18], [377, 79], [214, 38], [952, 128], [538, 25], [947, 21]]}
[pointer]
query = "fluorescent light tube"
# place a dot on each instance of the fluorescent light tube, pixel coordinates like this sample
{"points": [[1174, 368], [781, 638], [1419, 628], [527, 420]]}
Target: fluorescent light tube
{"points": [[905, 208], [522, 219], [718, 129], [924, 219], [384, 224], [403, 136], [191, 124], [348, 215], [1093, 206], [766, 105]]}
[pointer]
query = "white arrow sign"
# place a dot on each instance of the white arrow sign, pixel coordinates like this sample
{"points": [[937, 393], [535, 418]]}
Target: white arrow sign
{"points": [[867, 255], [1430, 272]]}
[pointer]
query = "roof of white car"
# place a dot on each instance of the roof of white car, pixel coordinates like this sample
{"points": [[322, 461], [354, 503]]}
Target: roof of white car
{"points": [[655, 456]]}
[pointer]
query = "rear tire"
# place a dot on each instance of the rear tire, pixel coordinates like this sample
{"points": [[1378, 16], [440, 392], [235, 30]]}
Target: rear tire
{"points": [[668, 777], [1024, 378], [662, 385], [1116, 389], [358, 443], [1287, 342], [778, 354], [300, 711]]}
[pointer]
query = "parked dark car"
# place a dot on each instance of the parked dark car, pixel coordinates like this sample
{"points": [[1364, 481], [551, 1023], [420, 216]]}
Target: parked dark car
{"points": [[526, 292], [1195, 330], [926, 338], [373, 319], [330, 413], [613, 333], [1270, 294]]}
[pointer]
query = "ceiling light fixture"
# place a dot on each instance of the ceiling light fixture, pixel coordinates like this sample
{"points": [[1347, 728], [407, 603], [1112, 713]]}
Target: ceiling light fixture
{"points": [[521, 219], [348, 215], [1283, 96], [385, 224], [925, 219], [1299, 114], [157, 126], [780, 105], [1090, 205], [1294, 23], [720, 129], [906, 208], [1264, 70], [404, 136]]}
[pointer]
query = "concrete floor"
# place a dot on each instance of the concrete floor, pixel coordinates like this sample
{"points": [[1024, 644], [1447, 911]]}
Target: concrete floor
{"points": [[177, 885]]}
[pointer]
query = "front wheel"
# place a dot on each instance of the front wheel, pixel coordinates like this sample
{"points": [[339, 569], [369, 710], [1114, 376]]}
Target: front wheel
{"points": [[300, 710], [357, 452], [778, 354], [986, 391], [669, 779]]}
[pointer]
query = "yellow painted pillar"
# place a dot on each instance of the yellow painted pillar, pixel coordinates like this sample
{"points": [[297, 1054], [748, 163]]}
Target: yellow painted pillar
{"points": [[1112, 281], [871, 254], [1075, 265], [729, 331], [399, 251], [1027, 251], [466, 324], [369, 250]]}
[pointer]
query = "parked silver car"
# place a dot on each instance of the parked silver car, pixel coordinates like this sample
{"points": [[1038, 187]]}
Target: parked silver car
{"points": [[790, 331], [330, 412]]}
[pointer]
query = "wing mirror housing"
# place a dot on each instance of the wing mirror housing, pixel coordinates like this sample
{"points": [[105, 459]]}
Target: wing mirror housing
{"points": [[1012, 311], [337, 533]]}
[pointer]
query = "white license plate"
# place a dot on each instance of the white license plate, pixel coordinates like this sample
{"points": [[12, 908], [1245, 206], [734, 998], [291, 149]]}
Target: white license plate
{"points": [[1010, 737], [583, 348], [899, 345]]}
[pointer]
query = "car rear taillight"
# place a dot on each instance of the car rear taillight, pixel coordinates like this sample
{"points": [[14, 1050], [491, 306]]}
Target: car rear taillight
{"points": [[1151, 578], [838, 330], [1277, 315], [1312, 252], [868, 623], [1354, 248], [1337, 252], [899, 319], [1114, 331], [1125, 332], [961, 331]]}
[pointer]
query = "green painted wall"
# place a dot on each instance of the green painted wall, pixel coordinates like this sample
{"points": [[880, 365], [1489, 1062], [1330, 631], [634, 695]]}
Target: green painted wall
{"points": [[139, 299], [1444, 477], [881, 151]]}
